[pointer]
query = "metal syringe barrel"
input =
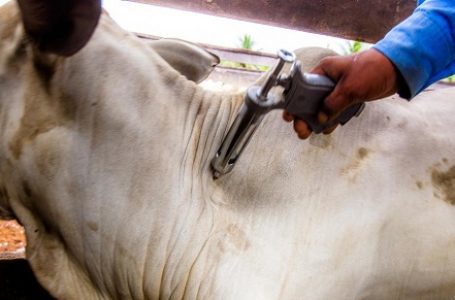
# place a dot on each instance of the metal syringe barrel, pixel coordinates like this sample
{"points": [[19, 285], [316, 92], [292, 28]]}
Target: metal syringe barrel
{"points": [[256, 104]]}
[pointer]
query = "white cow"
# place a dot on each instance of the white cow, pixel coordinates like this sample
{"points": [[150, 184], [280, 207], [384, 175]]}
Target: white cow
{"points": [[104, 158]]}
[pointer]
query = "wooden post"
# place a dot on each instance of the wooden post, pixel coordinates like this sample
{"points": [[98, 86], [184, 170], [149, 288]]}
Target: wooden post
{"points": [[364, 20]]}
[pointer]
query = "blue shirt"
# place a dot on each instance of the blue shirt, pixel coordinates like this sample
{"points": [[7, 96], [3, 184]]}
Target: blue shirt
{"points": [[422, 47]]}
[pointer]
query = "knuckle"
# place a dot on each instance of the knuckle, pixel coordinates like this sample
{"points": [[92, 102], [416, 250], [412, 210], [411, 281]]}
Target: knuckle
{"points": [[327, 60]]}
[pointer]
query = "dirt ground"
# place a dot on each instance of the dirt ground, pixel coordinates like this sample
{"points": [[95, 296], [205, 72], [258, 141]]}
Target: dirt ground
{"points": [[12, 238]]}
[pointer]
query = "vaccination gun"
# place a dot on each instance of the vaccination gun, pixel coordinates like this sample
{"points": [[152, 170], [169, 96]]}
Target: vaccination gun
{"points": [[302, 97]]}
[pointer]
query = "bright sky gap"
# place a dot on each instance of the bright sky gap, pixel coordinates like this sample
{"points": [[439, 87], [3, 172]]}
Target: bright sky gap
{"points": [[201, 28]]}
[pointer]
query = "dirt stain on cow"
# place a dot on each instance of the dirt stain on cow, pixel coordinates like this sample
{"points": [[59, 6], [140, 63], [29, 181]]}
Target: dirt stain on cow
{"points": [[444, 183], [93, 226], [362, 153], [353, 168], [43, 111], [419, 184], [321, 141], [233, 238]]}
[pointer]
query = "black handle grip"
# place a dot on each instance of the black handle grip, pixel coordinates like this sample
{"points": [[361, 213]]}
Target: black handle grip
{"points": [[305, 96]]}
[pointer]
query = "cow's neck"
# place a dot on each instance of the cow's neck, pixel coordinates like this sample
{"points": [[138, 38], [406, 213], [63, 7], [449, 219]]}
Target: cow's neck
{"points": [[206, 117]]}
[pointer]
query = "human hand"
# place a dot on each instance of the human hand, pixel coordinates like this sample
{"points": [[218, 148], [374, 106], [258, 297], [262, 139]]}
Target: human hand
{"points": [[365, 76]]}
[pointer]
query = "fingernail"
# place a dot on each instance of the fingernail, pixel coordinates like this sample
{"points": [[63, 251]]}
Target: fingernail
{"points": [[322, 118]]}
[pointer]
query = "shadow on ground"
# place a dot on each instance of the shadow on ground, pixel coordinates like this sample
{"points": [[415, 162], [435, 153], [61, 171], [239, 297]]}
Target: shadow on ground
{"points": [[17, 282]]}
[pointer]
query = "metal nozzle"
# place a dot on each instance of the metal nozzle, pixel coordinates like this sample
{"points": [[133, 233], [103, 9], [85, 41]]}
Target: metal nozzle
{"points": [[256, 105], [284, 56]]}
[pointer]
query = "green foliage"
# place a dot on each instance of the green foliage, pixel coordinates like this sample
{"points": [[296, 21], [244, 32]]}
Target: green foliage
{"points": [[450, 79], [239, 65], [349, 47], [246, 42], [355, 47]]}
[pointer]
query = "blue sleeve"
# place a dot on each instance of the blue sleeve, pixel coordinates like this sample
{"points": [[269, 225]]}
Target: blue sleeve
{"points": [[422, 47]]}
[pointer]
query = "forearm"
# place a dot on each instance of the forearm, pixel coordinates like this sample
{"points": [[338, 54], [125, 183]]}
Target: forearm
{"points": [[422, 47]]}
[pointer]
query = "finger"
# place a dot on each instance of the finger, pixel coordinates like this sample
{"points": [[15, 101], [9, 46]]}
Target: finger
{"points": [[287, 116], [302, 129], [336, 103], [322, 117], [330, 129]]}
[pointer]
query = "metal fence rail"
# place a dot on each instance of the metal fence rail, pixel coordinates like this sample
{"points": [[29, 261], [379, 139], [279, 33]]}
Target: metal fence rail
{"points": [[363, 20]]}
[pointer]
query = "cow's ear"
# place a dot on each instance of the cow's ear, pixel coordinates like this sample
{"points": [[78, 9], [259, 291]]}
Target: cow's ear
{"points": [[62, 27], [191, 60]]}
